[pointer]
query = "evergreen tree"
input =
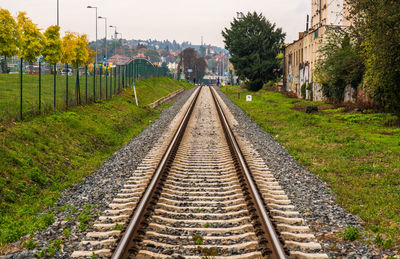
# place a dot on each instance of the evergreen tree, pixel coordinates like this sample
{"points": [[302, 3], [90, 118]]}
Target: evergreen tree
{"points": [[254, 44]]}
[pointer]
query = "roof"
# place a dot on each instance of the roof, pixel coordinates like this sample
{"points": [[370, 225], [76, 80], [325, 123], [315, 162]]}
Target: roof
{"points": [[118, 59]]}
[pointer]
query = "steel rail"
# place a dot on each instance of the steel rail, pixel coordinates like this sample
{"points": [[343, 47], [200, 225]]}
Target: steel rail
{"points": [[127, 239], [274, 243]]}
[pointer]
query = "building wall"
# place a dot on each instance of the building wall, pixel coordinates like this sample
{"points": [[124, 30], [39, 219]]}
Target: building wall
{"points": [[328, 12], [300, 61]]}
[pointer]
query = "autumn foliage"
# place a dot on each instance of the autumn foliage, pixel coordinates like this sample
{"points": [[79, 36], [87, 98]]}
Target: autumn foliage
{"points": [[21, 37]]}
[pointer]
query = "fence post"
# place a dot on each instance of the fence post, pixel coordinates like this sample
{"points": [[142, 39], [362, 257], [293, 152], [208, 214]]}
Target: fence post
{"points": [[119, 78], [101, 89], [115, 80], [66, 91], [106, 84], [40, 86], [20, 78], [55, 82], [111, 81], [86, 71], [94, 82]]}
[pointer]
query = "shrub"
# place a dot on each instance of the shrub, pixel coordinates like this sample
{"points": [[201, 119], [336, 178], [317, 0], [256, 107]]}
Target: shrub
{"points": [[303, 90], [351, 233]]}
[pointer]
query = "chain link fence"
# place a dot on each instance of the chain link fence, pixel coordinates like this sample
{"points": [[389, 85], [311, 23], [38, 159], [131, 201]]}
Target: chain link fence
{"points": [[28, 89]]}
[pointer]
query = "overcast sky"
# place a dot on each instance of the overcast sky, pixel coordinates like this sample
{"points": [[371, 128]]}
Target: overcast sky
{"points": [[179, 20]]}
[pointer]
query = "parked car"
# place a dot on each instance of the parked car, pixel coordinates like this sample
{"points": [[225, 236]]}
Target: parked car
{"points": [[64, 71]]}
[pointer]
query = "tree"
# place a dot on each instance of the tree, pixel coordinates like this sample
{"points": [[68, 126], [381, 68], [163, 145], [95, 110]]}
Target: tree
{"points": [[153, 55], [52, 51], [200, 69], [32, 40], [68, 47], [187, 61], [377, 25], [9, 37], [254, 44], [341, 64]]}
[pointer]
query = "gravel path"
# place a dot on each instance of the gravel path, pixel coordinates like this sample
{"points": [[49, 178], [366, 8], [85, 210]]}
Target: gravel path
{"points": [[98, 188], [310, 195]]}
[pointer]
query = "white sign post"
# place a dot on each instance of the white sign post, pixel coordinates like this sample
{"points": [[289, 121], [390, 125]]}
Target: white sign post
{"points": [[249, 98], [134, 90]]}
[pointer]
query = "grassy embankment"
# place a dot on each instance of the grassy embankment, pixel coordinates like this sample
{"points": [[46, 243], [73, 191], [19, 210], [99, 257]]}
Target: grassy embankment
{"points": [[10, 92], [357, 154], [41, 157]]}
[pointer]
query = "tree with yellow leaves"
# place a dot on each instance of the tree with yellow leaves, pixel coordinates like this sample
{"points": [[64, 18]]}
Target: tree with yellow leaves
{"points": [[52, 51], [52, 45], [9, 37], [32, 40], [76, 51]]}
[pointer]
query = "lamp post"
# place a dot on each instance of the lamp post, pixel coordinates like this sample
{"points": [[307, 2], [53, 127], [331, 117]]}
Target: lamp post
{"points": [[58, 13], [95, 45], [115, 37], [105, 31], [121, 42]]}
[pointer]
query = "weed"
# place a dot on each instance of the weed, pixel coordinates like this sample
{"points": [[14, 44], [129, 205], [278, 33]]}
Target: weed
{"points": [[41, 253], [387, 244], [378, 240], [30, 244], [198, 210], [94, 256], [118, 227], [206, 225], [351, 233], [66, 233], [198, 240], [86, 216]]}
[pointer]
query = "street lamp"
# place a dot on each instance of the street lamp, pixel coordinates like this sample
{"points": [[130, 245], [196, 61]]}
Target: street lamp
{"points": [[95, 45], [121, 41], [115, 37], [105, 31]]}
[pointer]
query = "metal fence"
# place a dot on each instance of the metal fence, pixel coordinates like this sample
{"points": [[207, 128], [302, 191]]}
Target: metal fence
{"points": [[29, 89]]}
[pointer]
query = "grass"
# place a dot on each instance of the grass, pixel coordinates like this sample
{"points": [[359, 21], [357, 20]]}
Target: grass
{"points": [[41, 157], [357, 154], [10, 93]]}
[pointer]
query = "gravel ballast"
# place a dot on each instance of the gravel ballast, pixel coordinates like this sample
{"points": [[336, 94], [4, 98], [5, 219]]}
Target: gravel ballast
{"points": [[311, 196]]}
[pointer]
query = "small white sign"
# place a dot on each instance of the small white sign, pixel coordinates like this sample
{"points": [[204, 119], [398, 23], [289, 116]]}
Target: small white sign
{"points": [[249, 98]]}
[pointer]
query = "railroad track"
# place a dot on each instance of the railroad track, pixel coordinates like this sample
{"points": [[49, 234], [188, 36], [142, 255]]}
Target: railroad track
{"points": [[204, 198]]}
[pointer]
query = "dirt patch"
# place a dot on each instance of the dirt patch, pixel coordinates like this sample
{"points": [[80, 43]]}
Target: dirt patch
{"points": [[387, 133]]}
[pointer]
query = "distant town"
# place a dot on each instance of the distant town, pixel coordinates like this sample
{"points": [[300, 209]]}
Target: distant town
{"points": [[163, 53]]}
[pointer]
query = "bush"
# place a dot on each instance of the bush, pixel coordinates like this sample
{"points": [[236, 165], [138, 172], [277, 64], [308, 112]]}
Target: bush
{"points": [[303, 90], [351, 233]]}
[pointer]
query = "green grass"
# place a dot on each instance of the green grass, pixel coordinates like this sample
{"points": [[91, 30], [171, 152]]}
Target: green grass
{"points": [[357, 154], [41, 157], [10, 93]]}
